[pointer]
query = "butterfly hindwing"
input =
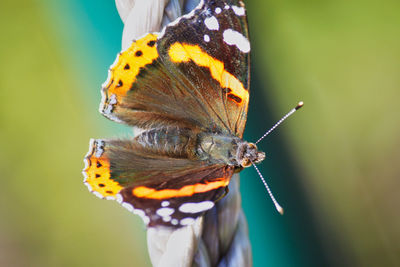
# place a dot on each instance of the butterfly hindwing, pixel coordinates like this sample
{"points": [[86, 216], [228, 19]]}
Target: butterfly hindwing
{"points": [[177, 204], [145, 181], [193, 74]]}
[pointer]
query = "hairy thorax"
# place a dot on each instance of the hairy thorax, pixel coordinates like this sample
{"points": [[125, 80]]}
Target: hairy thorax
{"points": [[212, 147]]}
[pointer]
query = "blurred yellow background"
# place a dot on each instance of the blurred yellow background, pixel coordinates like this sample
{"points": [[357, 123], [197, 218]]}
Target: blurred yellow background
{"points": [[334, 166]]}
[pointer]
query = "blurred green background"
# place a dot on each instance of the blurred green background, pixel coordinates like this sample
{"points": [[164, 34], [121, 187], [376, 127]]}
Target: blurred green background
{"points": [[334, 166]]}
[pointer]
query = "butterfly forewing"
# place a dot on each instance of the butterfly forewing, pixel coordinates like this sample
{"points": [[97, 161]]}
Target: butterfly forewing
{"points": [[194, 74], [211, 50]]}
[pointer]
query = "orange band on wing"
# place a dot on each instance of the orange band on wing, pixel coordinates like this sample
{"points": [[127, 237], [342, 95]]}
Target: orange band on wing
{"points": [[186, 191], [184, 52]]}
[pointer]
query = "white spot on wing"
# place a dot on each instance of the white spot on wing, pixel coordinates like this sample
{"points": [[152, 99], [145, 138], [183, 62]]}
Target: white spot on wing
{"points": [[142, 214], [107, 110], [113, 99], [86, 161], [165, 203], [218, 10], [90, 152], [239, 10], [187, 16], [103, 99], [107, 107], [226, 7], [99, 148], [139, 212], [212, 23], [187, 221], [165, 211], [127, 206], [232, 37], [88, 186], [174, 221], [206, 38], [119, 198], [196, 207], [97, 194], [166, 218]]}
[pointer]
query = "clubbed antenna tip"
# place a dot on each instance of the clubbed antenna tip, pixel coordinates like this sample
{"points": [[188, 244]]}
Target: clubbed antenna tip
{"points": [[293, 110], [299, 105], [277, 206], [279, 209]]}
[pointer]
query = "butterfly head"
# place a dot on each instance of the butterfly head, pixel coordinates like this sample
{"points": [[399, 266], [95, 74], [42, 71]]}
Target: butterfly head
{"points": [[248, 154]]}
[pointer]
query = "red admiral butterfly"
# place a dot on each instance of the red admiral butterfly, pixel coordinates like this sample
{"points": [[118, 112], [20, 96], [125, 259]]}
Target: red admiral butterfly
{"points": [[187, 88]]}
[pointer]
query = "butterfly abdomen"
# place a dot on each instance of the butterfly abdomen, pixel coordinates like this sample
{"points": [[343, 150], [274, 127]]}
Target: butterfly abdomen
{"points": [[170, 141]]}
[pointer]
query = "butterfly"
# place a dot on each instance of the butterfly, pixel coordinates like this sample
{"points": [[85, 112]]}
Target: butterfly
{"points": [[187, 89]]}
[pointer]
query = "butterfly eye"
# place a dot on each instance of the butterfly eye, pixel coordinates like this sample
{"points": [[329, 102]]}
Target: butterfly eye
{"points": [[245, 162], [252, 146]]}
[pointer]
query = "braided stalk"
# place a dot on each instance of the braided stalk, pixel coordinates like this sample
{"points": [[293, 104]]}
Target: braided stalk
{"points": [[220, 238]]}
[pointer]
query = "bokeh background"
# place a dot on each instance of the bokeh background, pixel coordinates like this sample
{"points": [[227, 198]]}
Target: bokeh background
{"points": [[334, 166]]}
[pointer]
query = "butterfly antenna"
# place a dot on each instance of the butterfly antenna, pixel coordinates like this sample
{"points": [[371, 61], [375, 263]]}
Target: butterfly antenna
{"points": [[277, 206], [299, 105]]}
